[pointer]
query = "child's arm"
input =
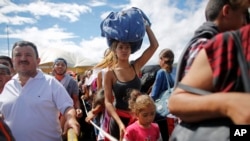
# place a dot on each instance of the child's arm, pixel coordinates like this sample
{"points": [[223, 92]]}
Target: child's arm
{"points": [[124, 139], [129, 132], [160, 138], [94, 111], [98, 108]]}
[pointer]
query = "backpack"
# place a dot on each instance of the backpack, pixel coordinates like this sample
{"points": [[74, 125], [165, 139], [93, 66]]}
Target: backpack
{"points": [[148, 77]]}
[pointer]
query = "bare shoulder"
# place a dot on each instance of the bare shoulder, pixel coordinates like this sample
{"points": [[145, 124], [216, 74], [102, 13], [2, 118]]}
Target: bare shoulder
{"points": [[109, 74], [201, 72], [99, 75]]}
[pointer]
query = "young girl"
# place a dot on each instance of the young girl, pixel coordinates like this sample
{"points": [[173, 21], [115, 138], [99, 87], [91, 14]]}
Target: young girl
{"points": [[96, 112], [143, 129], [99, 108]]}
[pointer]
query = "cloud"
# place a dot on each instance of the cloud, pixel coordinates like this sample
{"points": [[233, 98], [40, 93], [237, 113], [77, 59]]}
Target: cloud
{"points": [[105, 14], [94, 48], [4, 2], [16, 20], [44, 35], [50, 37], [96, 3], [66, 11], [173, 25]]}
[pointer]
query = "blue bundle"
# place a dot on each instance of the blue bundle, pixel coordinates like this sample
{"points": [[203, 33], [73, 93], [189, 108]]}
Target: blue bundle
{"points": [[125, 26]]}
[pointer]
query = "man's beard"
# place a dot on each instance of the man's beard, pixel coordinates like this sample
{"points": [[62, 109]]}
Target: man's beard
{"points": [[28, 73], [60, 73]]}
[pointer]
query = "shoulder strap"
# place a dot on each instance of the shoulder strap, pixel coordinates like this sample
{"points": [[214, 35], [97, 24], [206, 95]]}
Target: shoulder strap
{"points": [[134, 69], [241, 60], [169, 86], [114, 74], [167, 77], [192, 89], [65, 81]]}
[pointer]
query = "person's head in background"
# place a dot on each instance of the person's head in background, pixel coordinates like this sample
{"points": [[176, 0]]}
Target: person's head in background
{"points": [[6, 60], [166, 59], [144, 109], [60, 66], [89, 73], [5, 76], [132, 94], [227, 14]]}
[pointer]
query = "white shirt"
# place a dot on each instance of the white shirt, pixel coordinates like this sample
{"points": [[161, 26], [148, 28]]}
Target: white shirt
{"points": [[104, 71], [32, 111]]}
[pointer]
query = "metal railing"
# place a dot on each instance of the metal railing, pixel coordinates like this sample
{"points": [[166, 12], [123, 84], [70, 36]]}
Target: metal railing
{"points": [[71, 135]]}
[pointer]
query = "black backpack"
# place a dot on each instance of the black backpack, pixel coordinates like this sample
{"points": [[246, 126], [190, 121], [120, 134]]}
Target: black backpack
{"points": [[148, 77]]}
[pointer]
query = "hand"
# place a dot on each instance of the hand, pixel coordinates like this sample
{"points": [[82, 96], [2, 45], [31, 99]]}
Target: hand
{"points": [[85, 97], [146, 23], [1, 116], [71, 123], [122, 131], [79, 113], [145, 18], [238, 108], [90, 116]]}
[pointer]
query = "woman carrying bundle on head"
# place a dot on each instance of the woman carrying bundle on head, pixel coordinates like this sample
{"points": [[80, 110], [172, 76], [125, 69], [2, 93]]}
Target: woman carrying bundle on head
{"points": [[124, 75]]}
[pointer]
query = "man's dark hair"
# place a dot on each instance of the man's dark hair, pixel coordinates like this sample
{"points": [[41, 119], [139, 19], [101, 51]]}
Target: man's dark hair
{"points": [[25, 43], [214, 7], [247, 17], [60, 59], [5, 69], [7, 58]]}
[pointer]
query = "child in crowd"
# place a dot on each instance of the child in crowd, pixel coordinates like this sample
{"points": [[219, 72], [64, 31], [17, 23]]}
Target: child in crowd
{"points": [[96, 113], [143, 129]]}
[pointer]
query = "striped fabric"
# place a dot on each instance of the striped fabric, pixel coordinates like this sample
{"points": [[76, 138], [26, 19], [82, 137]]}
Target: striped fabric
{"points": [[221, 52]]}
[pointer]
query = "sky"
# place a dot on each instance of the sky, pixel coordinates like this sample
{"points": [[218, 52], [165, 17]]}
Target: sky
{"points": [[74, 25]]}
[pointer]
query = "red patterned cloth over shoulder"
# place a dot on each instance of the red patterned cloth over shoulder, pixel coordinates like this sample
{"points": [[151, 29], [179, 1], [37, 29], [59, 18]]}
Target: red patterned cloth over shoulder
{"points": [[221, 52]]}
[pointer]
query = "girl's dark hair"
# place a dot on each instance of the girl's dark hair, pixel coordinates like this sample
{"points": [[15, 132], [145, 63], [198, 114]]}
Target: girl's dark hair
{"points": [[132, 94], [247, 17], [168, 56], [99, 98], [142, 102]]}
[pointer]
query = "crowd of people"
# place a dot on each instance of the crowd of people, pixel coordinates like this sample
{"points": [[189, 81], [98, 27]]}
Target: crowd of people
{"points": [[43, 107]]}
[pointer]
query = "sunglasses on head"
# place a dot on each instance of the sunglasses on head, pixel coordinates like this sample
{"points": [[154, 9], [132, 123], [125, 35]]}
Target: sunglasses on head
{"points": [[6, 64]]}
